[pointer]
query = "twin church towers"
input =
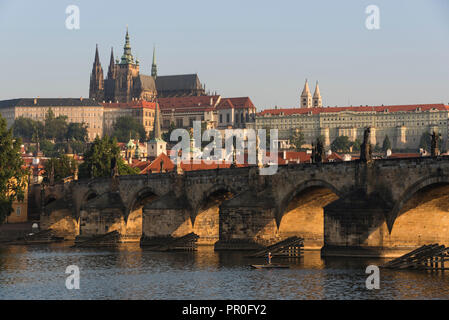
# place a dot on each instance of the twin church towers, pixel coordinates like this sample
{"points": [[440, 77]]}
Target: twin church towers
{"points": [[307, 101]]}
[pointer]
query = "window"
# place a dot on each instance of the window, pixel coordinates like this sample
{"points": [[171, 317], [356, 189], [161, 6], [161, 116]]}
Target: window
{"points": [[227, 117], [221, 118], [18, 210]]}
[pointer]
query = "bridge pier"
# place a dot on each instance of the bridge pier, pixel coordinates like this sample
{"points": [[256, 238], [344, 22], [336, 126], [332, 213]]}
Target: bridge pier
{"points": [[58, 216], [104, 214], [247, 222], [167, 217], [355, 226]]}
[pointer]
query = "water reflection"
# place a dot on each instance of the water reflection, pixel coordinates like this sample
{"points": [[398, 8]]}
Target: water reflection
{"points": [[129, 272]]}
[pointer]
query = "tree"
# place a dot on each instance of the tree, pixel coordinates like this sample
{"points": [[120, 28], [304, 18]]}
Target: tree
{"points": [[60, 168], [24, 128], [99, 157], [341, 144], [356, 145], [13, 177], [77, 131], [297, 138], [386, 144], [425, 141], [55, 128], [126, 128]]}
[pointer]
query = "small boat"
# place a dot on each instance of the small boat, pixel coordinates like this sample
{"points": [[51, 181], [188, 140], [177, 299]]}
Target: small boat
{"points": [[269, 266]]}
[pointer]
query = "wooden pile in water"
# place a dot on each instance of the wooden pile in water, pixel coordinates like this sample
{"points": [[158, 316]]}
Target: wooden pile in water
{"points": [[41, 237], [109, 239], [288, 248], [184, 243], [427, 257]]}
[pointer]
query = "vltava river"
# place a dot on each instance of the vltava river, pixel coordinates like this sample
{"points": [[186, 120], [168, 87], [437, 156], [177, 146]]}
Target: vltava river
{"points": [[38, 272]]}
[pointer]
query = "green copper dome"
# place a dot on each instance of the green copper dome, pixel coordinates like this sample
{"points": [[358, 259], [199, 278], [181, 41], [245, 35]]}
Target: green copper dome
{"points": [[127, 57], [130, 144]]}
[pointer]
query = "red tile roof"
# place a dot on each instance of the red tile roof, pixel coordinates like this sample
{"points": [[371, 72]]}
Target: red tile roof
{"points": [[225, 104], [395, 108], [132, 104], [405, 155], [242, 102], [190, 102]]}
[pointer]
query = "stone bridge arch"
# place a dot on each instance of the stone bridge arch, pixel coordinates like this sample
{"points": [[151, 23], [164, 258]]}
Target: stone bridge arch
{"points": [[301, 211], [301, 187], [420, 216], [412, 190]]}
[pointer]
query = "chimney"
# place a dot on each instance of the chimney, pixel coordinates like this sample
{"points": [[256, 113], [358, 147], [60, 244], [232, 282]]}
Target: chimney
{"points": [[35, 101]]}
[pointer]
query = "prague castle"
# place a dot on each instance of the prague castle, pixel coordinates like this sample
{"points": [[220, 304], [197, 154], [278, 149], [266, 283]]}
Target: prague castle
{"points": [[124, 83]]}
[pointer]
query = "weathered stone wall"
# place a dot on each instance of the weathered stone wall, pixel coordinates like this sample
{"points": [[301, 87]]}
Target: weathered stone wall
{"points": [[95, 222], [246, 224], [62, 222], [166, 223], [207, 226]]}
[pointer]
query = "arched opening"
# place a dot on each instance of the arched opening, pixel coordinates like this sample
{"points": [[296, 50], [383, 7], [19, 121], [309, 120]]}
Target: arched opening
{"points": [[134, 221], [422, 219], [91, 196], [49, 200], [206, 223], [304, 215]]}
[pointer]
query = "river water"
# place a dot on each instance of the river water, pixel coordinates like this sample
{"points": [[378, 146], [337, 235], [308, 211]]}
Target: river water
{"points": [[129, 272]]}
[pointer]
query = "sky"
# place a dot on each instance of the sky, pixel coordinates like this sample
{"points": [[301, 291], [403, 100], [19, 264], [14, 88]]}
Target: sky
{"points": [[256, 48]]}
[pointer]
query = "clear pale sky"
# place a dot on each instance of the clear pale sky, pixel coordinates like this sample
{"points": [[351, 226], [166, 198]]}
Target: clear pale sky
{"points": [[261, 49]]}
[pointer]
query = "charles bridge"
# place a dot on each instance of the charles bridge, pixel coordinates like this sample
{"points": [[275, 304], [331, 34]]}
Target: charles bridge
{"points": [[374, 208]]}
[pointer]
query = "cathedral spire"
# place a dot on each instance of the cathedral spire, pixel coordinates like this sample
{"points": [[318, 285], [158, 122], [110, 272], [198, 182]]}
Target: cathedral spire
{"points": [[97, 56], [96, 87], [154, 66], [111, 70]]}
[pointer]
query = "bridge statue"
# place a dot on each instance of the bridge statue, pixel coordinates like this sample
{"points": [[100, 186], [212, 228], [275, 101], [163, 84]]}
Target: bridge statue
{"points": [[434, 151], [114, 167], [318, 151], [366, 148]]}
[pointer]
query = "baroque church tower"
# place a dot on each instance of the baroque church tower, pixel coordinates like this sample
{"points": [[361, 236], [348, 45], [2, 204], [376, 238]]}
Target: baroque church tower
{"points": [[96, 90]]}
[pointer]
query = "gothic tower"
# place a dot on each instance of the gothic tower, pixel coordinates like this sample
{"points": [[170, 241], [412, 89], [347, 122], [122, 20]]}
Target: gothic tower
{"points": [[306, 97], [109, 83], [96, 89], [317, 101], [112, 72], [127, 70], [154, 66]]}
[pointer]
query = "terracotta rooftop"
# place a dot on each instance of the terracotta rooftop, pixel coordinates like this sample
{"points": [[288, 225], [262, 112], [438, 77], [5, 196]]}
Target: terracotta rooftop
{"points": [[395, 108], [188, 102], [131, 104]]}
